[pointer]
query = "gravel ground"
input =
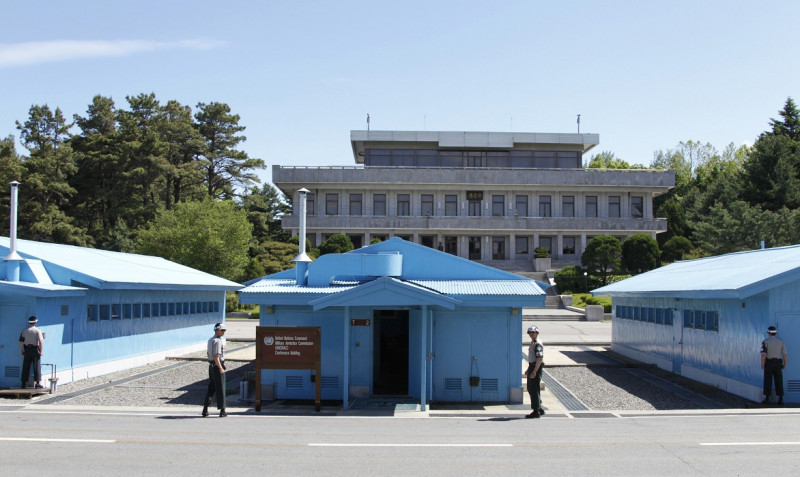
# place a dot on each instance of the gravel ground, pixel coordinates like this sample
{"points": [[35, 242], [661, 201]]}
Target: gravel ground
{"points": [[615, 389], [171, 383], [183, 384]]}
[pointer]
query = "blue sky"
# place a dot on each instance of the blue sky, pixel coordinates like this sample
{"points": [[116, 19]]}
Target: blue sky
{"points": [[644, 75]]}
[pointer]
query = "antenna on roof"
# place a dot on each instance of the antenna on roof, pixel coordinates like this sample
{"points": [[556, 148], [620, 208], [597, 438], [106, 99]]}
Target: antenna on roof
{"points": [[367, 121], [579, 124]]}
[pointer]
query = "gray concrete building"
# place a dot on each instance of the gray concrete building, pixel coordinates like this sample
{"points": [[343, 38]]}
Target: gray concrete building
{"points": [[486, 196]]}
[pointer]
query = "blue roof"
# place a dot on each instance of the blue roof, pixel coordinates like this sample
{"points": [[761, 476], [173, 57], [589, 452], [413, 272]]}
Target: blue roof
{"points": [[396, 270], [734, 275], [67, 264]]}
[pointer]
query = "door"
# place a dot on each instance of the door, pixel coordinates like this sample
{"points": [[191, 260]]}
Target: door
{"points": [[677, 341], [390, 353], [788, 330], [12, 322]]}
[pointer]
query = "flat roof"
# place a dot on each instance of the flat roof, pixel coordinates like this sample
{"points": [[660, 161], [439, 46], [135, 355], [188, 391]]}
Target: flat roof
{"points": [[469, 139]]}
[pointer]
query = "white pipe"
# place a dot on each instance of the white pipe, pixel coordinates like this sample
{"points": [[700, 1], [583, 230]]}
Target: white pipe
{"points": [[302, 260], [13, 259]]}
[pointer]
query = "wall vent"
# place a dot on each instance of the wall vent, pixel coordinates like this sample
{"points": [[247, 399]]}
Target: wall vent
{"points": [[793, 385], [330, 382], [452, 384], [13, 372], [489, 385], [294, 382]]}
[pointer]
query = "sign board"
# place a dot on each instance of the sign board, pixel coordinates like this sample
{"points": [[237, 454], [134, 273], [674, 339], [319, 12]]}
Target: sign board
{"points": [[474, 195], [288, 347], [356, 322]]}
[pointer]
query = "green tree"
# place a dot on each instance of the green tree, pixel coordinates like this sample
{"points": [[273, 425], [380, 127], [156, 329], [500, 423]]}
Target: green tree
{"points": [[98, 176], [183, 178], [212, 236], [607, 160], [336, 243], [272, 257], [224, 167], [570, 279], [790, 125], [675, 249], [47, 191], [640, 253], [602, 256], [265, 206]]}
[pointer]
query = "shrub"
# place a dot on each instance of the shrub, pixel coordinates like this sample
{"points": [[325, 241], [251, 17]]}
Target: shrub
{"points": [[541, 252], [605, 301], [675, 248], [570, 280]]}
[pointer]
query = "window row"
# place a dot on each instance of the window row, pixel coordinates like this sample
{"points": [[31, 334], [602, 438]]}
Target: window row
{"points": [[474, 205], [472, 159], [701, 320], [659, 316], [127, 311]]}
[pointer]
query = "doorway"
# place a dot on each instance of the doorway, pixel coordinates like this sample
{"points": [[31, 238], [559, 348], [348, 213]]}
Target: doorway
{"points": [[390, 353]]}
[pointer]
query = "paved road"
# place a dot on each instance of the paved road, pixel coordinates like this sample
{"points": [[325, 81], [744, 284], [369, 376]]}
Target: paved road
{"points": [[136, 443]]}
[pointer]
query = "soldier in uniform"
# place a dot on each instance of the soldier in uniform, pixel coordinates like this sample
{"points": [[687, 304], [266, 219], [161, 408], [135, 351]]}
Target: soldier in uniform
{"points": [[773, 362], [534, 372], [216, 371], [31, 345]]}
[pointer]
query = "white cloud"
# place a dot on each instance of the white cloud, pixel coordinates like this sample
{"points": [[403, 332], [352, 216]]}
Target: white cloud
{"points": [[31, 53]]}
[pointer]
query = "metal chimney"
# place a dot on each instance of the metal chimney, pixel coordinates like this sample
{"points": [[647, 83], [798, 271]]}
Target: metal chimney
{"points": [[13, 259], [302, 260]]}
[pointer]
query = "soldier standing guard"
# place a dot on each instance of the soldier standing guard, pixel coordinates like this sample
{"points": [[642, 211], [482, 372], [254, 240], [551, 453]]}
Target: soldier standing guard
{"points": [[773, 362], [31, 345], [216, 371]]}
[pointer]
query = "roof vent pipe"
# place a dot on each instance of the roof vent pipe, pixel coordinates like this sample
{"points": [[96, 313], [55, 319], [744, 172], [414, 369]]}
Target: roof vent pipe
{"points": [[13, 259], [302, 260]]}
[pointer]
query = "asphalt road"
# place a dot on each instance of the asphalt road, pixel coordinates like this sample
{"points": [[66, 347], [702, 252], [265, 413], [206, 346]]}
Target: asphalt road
{"points": [[136, 443]]}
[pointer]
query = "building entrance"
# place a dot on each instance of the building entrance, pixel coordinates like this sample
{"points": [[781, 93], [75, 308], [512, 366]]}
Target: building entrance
{"points": [[390, 352]]}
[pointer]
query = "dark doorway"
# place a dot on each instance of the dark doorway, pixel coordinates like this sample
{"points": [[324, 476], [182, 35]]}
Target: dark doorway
{"points": [[390, 361]]}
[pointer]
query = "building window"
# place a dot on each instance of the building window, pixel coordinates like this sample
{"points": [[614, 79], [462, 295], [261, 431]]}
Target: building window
{"points": [[498, 205], [357, 240], [613, 207], [379, 204], [521, 208], [637, 207], [427, 240], [92, 313], [427, 205], [568, 206], [568, 245], [474, 208], [115, 312], [137, 310], [355, 204], [127, 311], [403, 204], [451, 245], [545, 207], [451, 205], [332, 204], [546, 242], [474, 248], [310, 203], [522, 245], [498, 248], [591, 206]]}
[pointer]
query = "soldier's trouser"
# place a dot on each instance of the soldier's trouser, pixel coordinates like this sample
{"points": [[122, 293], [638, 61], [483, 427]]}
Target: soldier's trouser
{"points": [[216, 386], [31, 358], [534, 389], [773, 370]]}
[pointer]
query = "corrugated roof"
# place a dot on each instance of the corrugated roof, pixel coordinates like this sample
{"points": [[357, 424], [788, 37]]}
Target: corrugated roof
{"points": [[446, 287], [117, 267], [732, 275]]}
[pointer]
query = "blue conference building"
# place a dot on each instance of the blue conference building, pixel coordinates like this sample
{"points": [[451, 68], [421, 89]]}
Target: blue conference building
{"points": [[401, 319], [705, 318], [102, 311]]}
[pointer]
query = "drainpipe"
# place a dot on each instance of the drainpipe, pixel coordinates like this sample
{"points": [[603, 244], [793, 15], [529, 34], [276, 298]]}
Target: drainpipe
{"points": [[13, 259], [302, 260]]}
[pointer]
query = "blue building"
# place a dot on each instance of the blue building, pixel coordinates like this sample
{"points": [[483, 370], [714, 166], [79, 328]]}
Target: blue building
{"points": [[102, 311], [401, 319], [705, 319]]}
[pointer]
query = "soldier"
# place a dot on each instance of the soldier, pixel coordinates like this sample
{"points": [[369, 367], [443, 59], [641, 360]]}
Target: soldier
{"points": [[216, 371], [534, 372], [31, 345], [773, 362]]}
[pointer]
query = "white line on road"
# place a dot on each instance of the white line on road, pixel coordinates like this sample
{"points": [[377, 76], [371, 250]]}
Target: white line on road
{"points": [[750, 443], [313, 444], [41, 439]]}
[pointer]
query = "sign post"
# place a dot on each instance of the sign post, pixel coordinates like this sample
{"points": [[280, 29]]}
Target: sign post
{"points": [[289, 347]]}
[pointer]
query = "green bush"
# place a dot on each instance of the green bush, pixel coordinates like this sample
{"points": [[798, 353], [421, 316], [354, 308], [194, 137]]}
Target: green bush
{"points": [[570, 280], [541, 252], [605, 301]]}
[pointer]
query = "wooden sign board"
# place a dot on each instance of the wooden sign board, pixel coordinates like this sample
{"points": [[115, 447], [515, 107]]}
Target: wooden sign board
{"points": [[288, 347]]}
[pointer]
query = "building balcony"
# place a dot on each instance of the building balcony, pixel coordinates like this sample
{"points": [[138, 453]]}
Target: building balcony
{"points": [[518, 225]]}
